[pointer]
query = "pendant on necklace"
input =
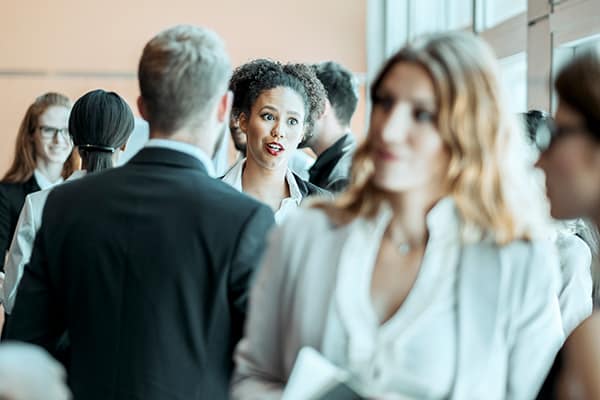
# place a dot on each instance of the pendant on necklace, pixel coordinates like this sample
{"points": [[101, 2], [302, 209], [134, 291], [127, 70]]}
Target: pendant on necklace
{"points": [[403, 248]]}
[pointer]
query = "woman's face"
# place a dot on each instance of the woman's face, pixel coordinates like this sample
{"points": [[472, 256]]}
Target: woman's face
{"points": [[51, 138], [572, 167], [408, 152], [274, 128]]}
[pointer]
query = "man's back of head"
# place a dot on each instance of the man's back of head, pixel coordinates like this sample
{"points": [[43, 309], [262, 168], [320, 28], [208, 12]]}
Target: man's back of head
{"points": [[342, 89], [183, 76], [342, 98]]}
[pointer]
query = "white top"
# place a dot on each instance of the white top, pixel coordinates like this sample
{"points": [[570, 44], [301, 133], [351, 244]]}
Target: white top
{"points": [[234, 178], [185, 148], [300, 163], [28, 372], [575, 293], [21, 247], [504, 311], [424, 360], [43, 182]]}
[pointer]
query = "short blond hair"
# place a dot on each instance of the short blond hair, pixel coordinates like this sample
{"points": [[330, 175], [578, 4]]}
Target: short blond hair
{"points": [[182, 72], [489, 175]]}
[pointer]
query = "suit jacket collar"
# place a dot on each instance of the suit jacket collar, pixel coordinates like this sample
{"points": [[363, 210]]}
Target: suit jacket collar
{"points": [[333, 154], [31, 185], [168, 157]]}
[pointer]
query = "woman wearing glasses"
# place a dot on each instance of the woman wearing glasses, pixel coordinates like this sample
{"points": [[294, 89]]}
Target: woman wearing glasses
{"points": [[570, 159], [43, 158]]}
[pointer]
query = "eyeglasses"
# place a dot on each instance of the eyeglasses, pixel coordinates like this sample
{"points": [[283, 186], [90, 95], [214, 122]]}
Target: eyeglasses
{"points": [[549, 133], [50, 132]]}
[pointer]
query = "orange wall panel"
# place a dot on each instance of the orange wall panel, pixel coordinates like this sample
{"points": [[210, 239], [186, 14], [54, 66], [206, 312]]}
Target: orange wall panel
{"points": [[75, 46]]}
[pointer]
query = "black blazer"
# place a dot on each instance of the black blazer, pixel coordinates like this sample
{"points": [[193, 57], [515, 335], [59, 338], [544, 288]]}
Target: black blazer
{"points": [[12, 197], [308, 189], [331, 170], [147, 268]]}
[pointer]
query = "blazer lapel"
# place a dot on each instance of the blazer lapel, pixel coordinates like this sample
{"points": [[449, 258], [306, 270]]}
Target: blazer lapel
{"points": [[164, 156], [478, 295]]}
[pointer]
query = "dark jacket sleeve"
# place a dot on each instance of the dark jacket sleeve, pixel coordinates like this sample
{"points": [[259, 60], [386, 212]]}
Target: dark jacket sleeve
{"points": [[4, 225], [246, 259]]}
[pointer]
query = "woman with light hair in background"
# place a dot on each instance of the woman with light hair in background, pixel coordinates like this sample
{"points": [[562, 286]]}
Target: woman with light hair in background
{"points": [[426, 279], [570, 159], [43, 158]]}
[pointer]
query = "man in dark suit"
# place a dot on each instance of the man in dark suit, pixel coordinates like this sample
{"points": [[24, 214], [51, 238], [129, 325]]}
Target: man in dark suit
{"points": [[147, 266], [331, 139]]}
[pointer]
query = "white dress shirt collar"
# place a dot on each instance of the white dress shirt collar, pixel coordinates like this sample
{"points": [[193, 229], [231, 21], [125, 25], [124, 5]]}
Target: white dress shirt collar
{"points": [[43, 182], [233, 177], [184, 148], [76, 175]]}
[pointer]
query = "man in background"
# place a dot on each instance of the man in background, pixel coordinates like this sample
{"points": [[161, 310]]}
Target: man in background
{"points": [[332, 140]]}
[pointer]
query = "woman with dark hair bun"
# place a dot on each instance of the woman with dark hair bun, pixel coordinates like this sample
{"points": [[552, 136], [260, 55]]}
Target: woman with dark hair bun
{"points": [[100, 125], [275, 105]]}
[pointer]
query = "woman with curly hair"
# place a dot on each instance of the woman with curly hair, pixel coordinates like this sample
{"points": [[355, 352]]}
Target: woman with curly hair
{"points": [[275, 105], [426, 278]]}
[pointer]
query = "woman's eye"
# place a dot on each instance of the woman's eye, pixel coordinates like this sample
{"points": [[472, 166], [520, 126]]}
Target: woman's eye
{"points": [[268, 117], [423, 115], [292, 121], [384, 102]]}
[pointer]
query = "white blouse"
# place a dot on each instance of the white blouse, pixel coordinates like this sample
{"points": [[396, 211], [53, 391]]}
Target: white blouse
{"points": [[423, 359], [234, 178], [43, 182], [481, 321]]}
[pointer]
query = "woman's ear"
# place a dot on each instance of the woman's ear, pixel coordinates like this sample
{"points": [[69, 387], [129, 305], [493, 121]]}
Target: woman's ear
{"points": [[243, 122]]}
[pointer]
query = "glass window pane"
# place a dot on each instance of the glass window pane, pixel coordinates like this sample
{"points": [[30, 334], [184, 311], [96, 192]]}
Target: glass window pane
{"points": [[427, 16], [513, 77], [460, 14], [497, 11]]}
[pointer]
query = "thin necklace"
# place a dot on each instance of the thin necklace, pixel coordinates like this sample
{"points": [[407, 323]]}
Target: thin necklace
{"points": [[403, 246]]}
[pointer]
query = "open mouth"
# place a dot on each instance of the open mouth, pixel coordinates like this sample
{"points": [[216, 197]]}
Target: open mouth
{"points": [[274, 149]]}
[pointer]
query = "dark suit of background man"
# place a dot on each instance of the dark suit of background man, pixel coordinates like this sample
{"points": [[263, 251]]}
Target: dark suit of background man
{"points": [[147, 266], [331, 140]]}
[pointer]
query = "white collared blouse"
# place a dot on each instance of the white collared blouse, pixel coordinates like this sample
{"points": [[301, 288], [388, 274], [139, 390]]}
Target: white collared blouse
{"points": [[233, 177]]}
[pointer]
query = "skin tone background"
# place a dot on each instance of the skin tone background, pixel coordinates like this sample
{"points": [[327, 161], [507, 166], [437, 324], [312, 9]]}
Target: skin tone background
{"points": [[72, 46]]}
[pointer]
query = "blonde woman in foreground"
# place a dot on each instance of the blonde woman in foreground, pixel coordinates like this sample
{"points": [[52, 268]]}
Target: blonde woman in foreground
{"points": [[425, 279]]}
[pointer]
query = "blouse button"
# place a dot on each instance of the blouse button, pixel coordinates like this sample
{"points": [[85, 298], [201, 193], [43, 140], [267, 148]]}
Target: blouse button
{"points": [[377, 372]]}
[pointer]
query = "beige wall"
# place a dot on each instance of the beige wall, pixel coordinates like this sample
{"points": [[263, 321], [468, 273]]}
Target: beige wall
{"points": [[74, 46]]}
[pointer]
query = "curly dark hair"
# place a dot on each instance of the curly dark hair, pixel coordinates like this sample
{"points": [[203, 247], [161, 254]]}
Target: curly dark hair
{"points": [[253, 78]]}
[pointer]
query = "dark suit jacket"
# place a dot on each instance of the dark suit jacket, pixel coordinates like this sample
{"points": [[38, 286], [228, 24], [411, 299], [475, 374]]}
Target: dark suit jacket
{"points": [[308, 189], [147, 268], [12, 197], [331, 170]]}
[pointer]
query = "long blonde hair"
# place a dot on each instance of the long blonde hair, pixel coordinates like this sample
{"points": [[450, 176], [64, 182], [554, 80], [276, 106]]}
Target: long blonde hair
{"points": [[24, 162], [488, 176]]}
